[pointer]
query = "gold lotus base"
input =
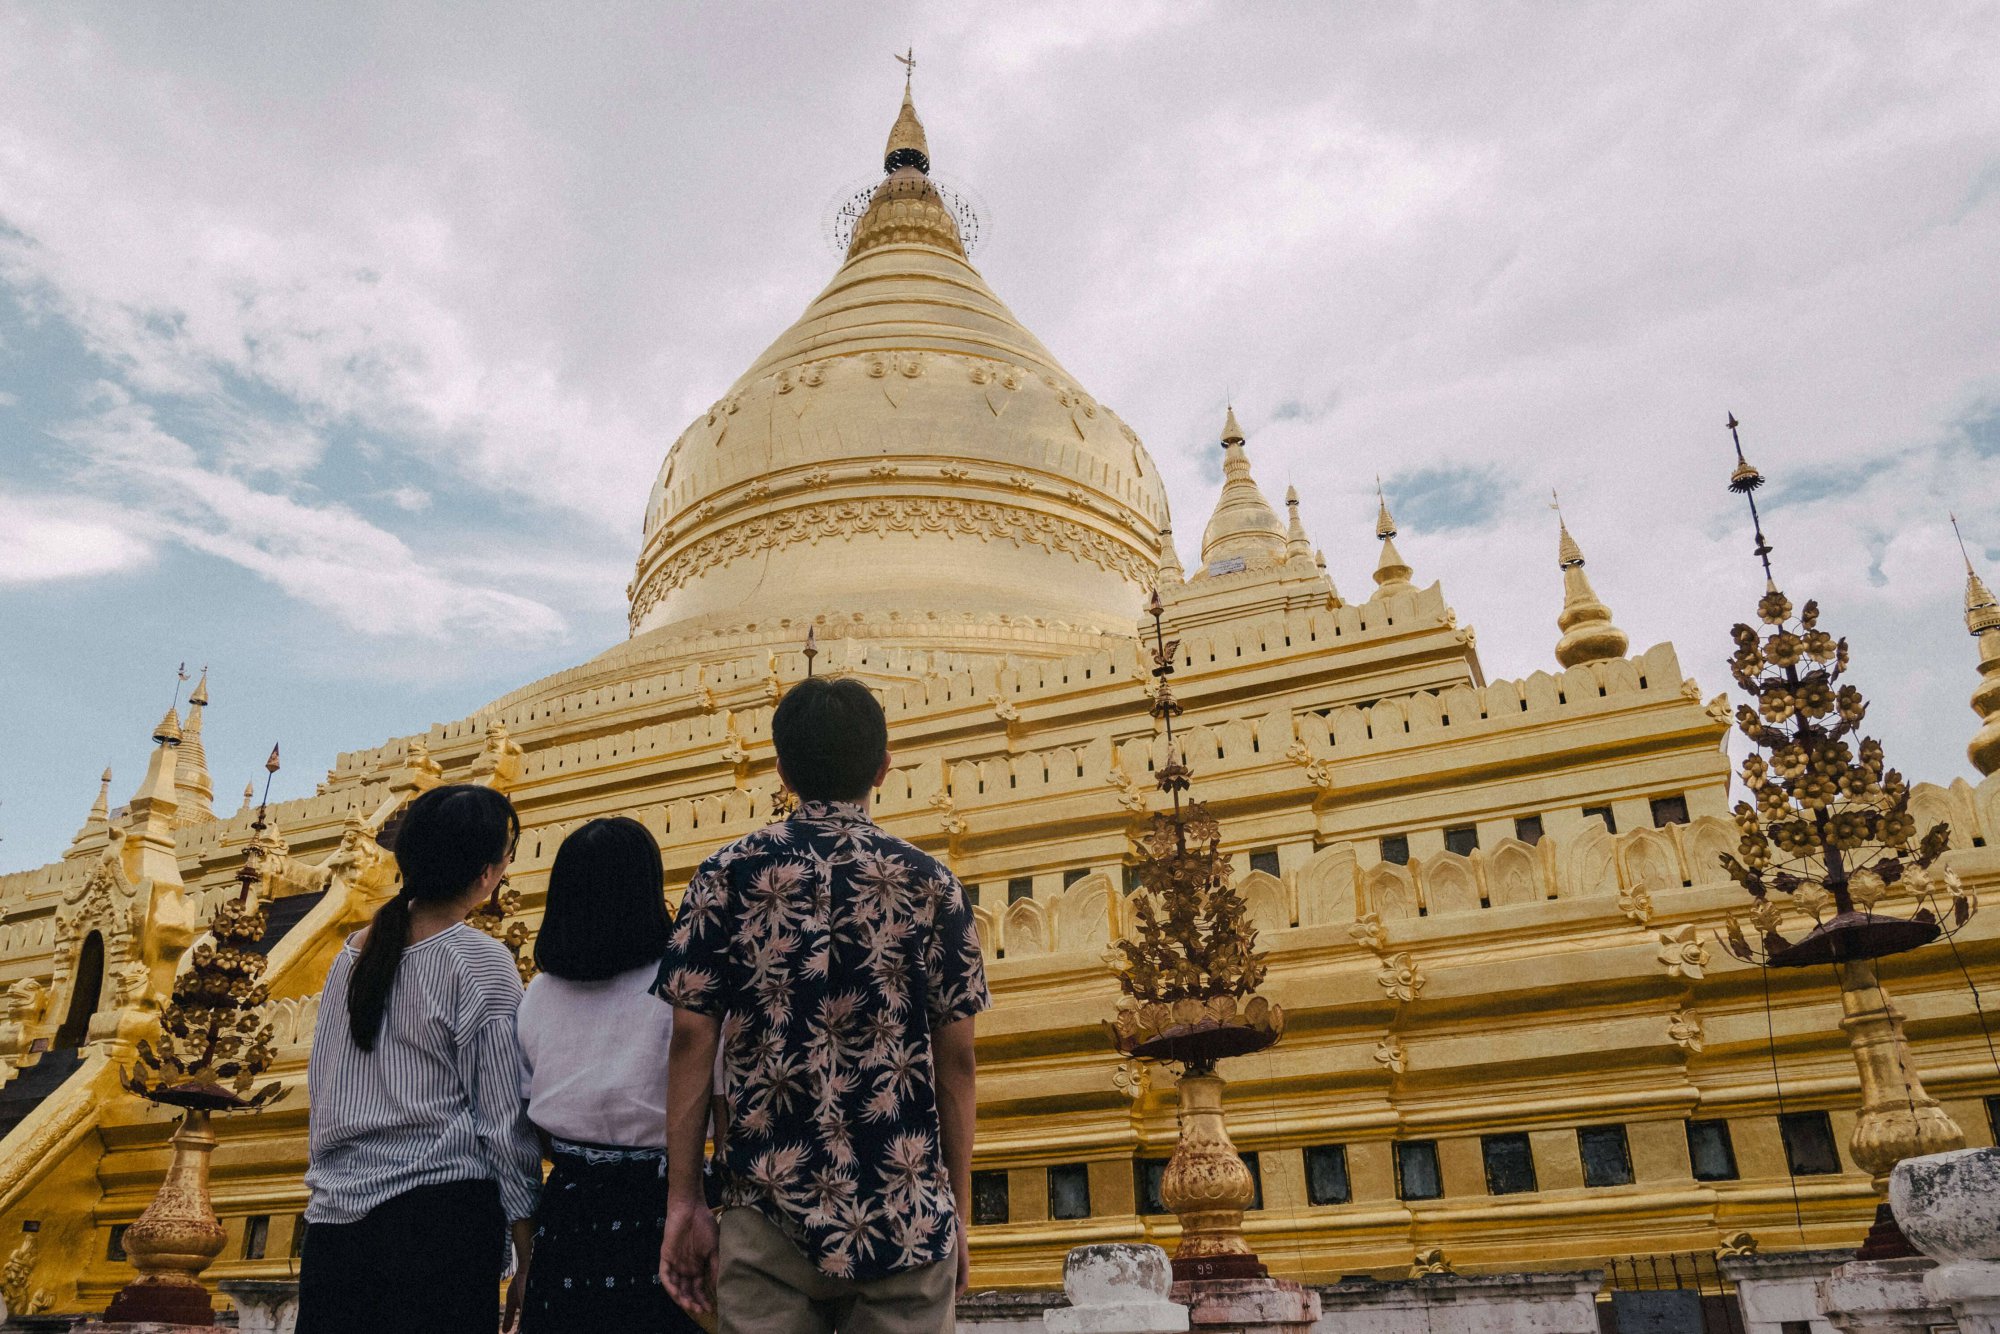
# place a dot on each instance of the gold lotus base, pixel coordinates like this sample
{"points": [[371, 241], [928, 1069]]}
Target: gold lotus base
{"points": [[175, 1239]]}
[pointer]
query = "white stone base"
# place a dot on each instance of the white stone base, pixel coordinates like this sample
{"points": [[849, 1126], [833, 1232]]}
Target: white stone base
{"points": [[1552, 1303], [1971, 1288], [1782, 1288], [1882, 1297], [1117, 1289]]}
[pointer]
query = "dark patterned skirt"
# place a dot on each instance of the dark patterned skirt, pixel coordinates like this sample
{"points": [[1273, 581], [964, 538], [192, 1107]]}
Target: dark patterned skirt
{"points": [[596, 1266]]}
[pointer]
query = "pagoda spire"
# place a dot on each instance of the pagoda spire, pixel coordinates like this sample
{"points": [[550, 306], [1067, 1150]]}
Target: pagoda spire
{"points": [[1588, 632], [1392, 572], [1296, 545], [1244, 526], [1982, 622], [906, 207], [194, 788], [1171, 572], [98, 822], [149, 828]]}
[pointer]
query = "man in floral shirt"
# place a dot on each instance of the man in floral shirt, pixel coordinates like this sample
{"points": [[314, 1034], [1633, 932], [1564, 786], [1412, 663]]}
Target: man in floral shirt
{"points": [[839, 970]]}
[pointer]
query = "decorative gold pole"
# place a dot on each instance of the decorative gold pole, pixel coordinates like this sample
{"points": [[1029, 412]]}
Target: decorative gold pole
{"points": [[1829, 827], [1189, 981], [175, 1239], [213, 1044]]}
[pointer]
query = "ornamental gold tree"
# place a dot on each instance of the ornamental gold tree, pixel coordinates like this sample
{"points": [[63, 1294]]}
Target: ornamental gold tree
{"points": [[1189, 973], [1828, 832], [214, 1043]]}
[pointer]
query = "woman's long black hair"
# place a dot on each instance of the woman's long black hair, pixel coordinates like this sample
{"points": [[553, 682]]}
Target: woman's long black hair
{"points": [[447, 839], [607, 905]]}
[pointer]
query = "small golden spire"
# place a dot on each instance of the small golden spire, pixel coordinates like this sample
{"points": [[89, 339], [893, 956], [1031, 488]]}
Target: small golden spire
{"points": [[1296, 544], [1982, 610], [1588, 632], [100, 809], [1231, 432], [1982, 620], [1170, 558], [907, 145], [249, 797], [168, 733], [1385, 523], [1243, 525], [199, 698]]}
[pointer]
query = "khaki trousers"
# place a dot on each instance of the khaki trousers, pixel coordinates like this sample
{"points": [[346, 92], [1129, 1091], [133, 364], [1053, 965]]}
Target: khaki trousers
{"points": [[768, 1287]]}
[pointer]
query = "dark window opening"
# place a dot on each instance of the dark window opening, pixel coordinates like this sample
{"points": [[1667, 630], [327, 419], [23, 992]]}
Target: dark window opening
{"points": [[1256, 1178], [1147, 1173], [256, 1232], [1993, 1117], [1510, 1164], [989, 1198], [1607, 1158], [1131, 878], [1074, 874], [1463, 840], [1710, 1152], [1528, 828], [1417, 1174], [1669, 810], [86, 991], [1326, 1175], [1069, 1191], [298, 1236], [1396, 848], [1265, 860], [1020, 887], [972, 895], [1809, 1146], [114, 1250], [1603, 813]]}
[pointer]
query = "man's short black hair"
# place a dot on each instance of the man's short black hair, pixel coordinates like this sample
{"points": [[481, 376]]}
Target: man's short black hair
{"points": [[831, 735]]}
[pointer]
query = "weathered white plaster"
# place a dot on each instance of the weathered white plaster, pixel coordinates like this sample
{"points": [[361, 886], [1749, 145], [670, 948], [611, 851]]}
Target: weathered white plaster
{"points": [[1117, 1289], [1948, 1204], [1782, 1288], [1881, 1297], [1548, 1303]]}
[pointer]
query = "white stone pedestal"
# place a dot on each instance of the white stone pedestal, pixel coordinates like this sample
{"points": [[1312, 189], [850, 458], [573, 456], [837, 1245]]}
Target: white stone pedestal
{"points": [[1881, 1297], [1971, 1288], [263, 1306], [1782, 1288], [1547, 1303], [1116, 1289]]}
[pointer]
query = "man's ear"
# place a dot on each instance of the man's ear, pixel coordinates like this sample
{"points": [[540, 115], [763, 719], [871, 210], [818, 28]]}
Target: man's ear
{"points": [[882, 772]]}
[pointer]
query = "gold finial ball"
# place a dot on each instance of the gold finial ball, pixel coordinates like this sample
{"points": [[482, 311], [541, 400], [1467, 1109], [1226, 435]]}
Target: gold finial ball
{"points": [[1745, 478]]}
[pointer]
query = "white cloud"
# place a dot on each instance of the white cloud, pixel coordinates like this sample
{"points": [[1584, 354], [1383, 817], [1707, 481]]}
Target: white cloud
{"points": [[48, 538]]}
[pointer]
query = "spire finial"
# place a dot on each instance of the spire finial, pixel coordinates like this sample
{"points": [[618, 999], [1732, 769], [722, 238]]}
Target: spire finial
{"points": [[200, 696], [1744, 481], [907, 145], [1232, 434], [1569, 556], [1963, 554], [1588, 632], [1385, 523]]}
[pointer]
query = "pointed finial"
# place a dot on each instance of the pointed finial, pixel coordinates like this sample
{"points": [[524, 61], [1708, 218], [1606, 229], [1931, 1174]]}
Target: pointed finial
{"points": [[907, 144], [1291, 497], [812, 648], [1385, 523], [200, 696], [1170, 558], [1232, 434], [1588, 632], [1963, 554], [101, 808], [168, 733], [271, 765], [249, 795], [1569, 556], [1744, 481]]}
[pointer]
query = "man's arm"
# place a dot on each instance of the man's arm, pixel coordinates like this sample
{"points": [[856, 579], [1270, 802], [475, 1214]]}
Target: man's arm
{"points": [[952, 1057], [688, 1252]]}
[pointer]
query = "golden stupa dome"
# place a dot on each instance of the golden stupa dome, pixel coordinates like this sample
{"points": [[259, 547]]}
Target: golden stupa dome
{"points": [[905, 463]]}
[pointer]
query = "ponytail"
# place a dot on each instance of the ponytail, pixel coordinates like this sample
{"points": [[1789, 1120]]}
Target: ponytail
{"points": [[446, 840], [375, 971]]}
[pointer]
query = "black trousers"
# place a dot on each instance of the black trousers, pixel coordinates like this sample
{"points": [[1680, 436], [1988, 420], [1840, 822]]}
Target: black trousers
{"points": [[425, 1262]]}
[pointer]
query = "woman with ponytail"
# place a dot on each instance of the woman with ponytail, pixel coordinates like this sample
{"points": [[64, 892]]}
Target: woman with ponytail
{"points": [[421, 1156]]}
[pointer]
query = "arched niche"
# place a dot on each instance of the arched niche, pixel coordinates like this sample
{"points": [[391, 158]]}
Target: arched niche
{"points": [[86, 993]]}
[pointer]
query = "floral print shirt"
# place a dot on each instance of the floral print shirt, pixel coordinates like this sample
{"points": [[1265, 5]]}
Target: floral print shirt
{"points": [[830, 950]]}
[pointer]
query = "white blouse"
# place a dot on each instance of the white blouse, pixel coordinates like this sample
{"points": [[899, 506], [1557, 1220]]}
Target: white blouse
{"points": [[594, 1058]]}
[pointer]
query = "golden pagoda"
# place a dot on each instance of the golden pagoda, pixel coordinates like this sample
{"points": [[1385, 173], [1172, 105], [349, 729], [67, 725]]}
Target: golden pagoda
{"points": [[1487, 906]]}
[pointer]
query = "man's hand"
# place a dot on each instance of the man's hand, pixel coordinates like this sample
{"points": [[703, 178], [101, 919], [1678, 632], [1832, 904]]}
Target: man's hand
{"points": [[688, 1255], [964, 1259], [517, 1288], [523, 1230]]}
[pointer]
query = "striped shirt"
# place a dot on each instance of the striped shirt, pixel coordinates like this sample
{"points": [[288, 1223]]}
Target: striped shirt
{"points": [[439, 1099]]}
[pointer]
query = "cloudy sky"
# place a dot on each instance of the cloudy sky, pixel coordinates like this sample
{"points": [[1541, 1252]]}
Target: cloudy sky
{"points": [[339, 344]]}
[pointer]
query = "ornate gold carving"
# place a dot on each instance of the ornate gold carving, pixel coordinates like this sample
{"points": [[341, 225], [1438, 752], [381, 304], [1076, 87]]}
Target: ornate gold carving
{"points": [[1401, 977], [1133, 1078], [1430, 1263], [1737, 1244], [177, 1237], [1683, 955], [17, 1279], [1685, 1028], [905, 514], [1369, 933], [1316, 771], [1898, 1118], [1205, 1183], [1636, 903], [1392, 1055]]}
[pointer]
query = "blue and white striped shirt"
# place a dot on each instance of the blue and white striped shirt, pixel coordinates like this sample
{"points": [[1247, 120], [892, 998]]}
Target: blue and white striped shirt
{"points": [[439, 1099]]}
